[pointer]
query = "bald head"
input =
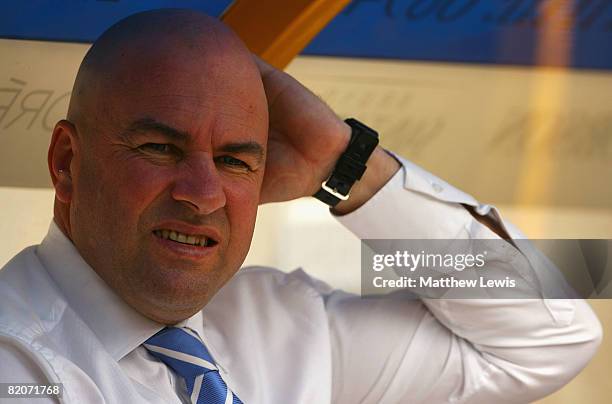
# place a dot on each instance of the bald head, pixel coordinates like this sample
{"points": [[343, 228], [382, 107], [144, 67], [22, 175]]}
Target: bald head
{"points": [[145, 51], [166, 136]]}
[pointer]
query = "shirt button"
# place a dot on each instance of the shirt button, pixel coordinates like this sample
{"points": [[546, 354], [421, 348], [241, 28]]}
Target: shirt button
{"points": [[437, 187]]}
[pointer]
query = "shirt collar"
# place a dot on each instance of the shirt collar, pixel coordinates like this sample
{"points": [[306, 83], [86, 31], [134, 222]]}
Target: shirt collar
{"points": [[119, 327]]}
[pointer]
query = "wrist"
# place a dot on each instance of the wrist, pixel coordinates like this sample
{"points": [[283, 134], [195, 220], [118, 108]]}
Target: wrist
{"points": [[358, 172], [350, 166], [345, 134], [381, 168]]}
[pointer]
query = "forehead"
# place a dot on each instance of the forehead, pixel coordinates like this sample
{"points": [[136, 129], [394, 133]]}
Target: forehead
{"points": [[204, 100]]}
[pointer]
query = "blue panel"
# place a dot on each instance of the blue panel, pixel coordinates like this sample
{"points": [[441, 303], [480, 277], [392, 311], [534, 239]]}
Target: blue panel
{"points": [[81, 20], [473, 31], [478, 31]]}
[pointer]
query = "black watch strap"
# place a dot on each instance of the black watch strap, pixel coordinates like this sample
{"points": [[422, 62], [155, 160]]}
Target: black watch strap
{"points": [[350, 166]]}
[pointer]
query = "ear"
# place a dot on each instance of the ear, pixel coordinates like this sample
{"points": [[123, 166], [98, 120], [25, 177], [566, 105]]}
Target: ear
{"points": [[59, 159]]}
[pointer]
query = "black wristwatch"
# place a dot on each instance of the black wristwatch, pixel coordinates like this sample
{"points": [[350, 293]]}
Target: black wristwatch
{"points": [[350, 166]]}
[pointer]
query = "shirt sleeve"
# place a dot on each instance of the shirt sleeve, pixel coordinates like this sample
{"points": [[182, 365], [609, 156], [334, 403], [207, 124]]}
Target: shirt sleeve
{"points": [[400, 349]]}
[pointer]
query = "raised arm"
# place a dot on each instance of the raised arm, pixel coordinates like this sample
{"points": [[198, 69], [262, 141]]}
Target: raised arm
{"points": [[398, 349]]}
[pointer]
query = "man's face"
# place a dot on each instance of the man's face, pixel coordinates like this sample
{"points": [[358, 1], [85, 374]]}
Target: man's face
{"points": [[166, 182]]}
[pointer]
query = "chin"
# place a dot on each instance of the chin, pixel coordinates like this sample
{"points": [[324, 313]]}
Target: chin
{"points": [[170, 309], [170, 318]]}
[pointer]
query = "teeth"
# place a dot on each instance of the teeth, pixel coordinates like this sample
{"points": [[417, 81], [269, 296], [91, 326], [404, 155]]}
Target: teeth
{"points": [[182, 238]]}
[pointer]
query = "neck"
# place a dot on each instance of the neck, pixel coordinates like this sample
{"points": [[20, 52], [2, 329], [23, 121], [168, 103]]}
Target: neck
{"points": [[61, 216]]}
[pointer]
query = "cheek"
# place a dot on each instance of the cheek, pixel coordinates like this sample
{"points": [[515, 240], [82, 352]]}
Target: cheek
{"points": [[120, 193], [137, 184], [241, 208]]}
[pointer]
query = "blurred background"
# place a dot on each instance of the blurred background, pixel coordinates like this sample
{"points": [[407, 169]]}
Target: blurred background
{"points": [[509, 100]]}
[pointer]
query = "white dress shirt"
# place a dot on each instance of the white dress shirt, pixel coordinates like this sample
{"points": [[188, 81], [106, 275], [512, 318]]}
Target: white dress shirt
{"points": [[283, 338]]}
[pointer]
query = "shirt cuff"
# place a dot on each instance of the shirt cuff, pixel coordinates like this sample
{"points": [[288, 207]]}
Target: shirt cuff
{"points": [[417, 204]]}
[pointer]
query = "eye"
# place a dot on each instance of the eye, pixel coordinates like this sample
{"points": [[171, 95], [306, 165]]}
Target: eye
{"points": [[160, 148], [233, 162]]}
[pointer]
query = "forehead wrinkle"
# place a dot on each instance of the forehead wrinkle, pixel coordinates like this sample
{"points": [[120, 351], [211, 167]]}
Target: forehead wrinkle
{"points": [[195, 97], [237, 118], [192, 104]]}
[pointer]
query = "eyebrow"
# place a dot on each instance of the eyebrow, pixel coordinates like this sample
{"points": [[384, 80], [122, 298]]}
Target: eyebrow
{"points": [[150, 124], [252, 148]]}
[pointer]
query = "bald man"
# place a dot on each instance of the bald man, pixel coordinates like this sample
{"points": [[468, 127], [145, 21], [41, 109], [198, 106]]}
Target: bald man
{"points": [[175, 134]]}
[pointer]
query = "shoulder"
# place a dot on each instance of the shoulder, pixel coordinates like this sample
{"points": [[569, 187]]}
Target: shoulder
{"points": [[25, 275], [13, 271], [30, 306], [263, 292], [27, 293], [277, 282], [17, 365], [18, 282]]}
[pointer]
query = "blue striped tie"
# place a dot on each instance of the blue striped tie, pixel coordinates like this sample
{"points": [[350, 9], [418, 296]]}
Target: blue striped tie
{"points": [[182, 350]]}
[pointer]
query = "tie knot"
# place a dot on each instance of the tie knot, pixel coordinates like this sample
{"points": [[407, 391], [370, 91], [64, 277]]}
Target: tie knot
{"points": [[182, 350]]}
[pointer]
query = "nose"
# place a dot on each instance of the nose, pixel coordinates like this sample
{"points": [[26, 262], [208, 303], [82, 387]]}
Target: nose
{"points": [[199, 185]]}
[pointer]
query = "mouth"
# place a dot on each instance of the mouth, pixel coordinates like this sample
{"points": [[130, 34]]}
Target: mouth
{"points": [[194, 240]]}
